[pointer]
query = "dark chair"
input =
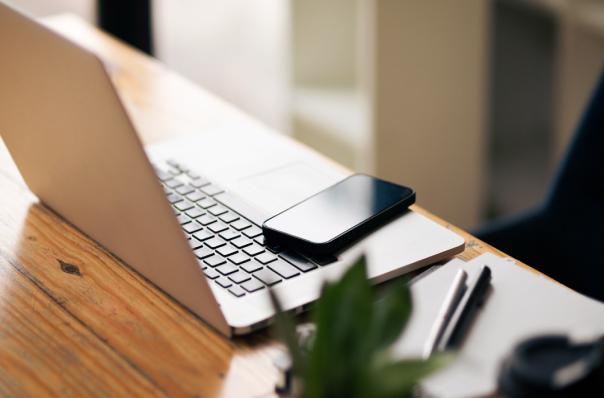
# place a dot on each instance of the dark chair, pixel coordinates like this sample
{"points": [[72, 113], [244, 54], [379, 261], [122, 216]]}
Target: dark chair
{"points": [[129, 20], [564, 238]]}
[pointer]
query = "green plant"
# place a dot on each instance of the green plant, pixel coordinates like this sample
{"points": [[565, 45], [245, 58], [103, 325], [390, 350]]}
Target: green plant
{"points": [[349, 356]]}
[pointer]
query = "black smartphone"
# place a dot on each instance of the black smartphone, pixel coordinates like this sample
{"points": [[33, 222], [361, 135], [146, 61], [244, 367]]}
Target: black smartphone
{"points": [[336, 217]]}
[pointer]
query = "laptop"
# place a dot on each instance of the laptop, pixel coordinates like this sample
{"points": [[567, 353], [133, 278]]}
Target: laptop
{"points": [[185, 213]]}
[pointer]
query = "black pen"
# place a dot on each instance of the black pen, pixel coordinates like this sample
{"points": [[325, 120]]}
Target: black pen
{"points": [[466, 310]]}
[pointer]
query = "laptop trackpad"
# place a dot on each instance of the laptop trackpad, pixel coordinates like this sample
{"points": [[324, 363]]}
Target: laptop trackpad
{"points": [[277, 189]]}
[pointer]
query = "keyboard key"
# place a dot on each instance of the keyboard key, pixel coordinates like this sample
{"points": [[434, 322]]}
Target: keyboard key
{"points": [[192, 175], [173, 198], [241, 242], [260, 240], [183, 219], [252, 232], [224, 282], [211, 190], [229, 234], [211, 273], [192, 227], [284, 269], [241, 224], [267, 277], [206, 203], [195, 212], [214, 261], [218, 227], [185, 189], [239, 258], [174, 171], [227, 250], [203, 252], [194, 243], [203, 235], [266, 257], [215, 243], [218, 210], [239, 277], [250, 267], [252, 285], [227, 269], [254, 249], [298, 261], [173, 183], [274, 249], [206, 219], [184, 205], [229, 217], [195, 196], [237, 291], [172, 162], [199, 182], [163, 175]]}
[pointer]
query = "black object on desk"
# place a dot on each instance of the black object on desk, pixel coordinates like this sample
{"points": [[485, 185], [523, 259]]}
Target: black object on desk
{"points": [[335, 218], [460, 322], [553, 366]]}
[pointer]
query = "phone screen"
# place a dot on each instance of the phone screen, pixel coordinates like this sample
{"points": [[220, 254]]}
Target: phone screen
{"points": [[339, 208]]}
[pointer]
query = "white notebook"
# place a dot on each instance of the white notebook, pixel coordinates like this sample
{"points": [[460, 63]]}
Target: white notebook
{"points": [[521, 304]]}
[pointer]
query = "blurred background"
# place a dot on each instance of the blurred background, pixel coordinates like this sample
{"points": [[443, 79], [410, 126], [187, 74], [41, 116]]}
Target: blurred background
{"points": [[470, 102]]}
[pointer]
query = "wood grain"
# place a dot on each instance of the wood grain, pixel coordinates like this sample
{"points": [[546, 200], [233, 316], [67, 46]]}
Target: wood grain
{"points": [[44, 350], [162, 341], [75, 321]]}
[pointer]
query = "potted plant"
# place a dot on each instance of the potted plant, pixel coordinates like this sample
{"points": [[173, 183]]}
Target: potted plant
{"points": [[348, 354]]}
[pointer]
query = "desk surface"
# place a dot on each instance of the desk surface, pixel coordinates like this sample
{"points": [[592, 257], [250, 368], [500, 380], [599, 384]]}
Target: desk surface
{"points": [[76, 321]]}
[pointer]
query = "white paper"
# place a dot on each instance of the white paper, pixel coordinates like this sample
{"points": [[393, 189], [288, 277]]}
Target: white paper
{"points": [[521, 304]]}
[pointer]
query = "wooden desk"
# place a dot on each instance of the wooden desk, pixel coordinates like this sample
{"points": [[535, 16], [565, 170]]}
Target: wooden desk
{"points": [[73, 319]]}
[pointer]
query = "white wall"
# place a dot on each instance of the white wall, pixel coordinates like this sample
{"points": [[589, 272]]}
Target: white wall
{"points": [[39, 8], [235, 48]]}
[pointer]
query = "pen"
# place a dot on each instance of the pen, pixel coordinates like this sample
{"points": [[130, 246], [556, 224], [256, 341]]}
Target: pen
{"points": [[466, 309], [452, 298]]}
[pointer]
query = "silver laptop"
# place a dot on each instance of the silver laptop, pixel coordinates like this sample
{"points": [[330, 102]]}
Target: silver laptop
{"points": [[187, 213]]}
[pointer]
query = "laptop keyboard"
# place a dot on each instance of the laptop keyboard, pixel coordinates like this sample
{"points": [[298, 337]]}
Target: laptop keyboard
{"points": [[229, 247]]}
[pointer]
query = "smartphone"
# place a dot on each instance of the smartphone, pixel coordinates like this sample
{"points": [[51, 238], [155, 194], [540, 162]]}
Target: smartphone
{"points": [[338, 216]]}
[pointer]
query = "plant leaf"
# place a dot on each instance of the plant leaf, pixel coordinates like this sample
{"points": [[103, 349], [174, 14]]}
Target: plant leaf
{"points": [[397, 379], [342, 315], [390, 314]]}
